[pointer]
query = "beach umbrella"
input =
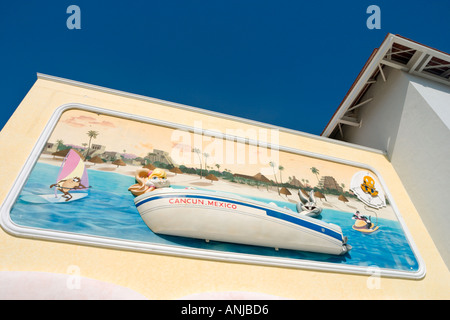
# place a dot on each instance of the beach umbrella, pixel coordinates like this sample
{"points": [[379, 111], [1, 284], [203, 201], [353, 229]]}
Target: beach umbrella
{"points": [[175, 170], [119, 162], [149, 166], [319, 194], [342, 198], [285, 191], [211, 177], [95, 160]]}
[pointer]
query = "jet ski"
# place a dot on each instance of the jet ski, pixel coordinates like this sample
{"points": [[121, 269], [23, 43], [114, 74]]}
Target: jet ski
{"points": [[363, 224]]}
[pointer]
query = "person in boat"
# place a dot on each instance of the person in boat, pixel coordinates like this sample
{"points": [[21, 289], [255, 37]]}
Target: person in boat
{"points": [[149, 180], [358, 216], [68, 184]]}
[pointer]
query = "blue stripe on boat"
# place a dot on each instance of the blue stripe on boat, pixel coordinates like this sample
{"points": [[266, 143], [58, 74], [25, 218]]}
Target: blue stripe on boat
{"points": [[269, 212]]}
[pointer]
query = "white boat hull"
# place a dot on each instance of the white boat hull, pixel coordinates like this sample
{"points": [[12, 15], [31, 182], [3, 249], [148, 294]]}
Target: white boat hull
{"points": [[222, 217]]}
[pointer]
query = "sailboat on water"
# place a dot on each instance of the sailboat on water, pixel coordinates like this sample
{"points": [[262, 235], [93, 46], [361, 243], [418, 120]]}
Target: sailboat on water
{"points": [[72, 182]]}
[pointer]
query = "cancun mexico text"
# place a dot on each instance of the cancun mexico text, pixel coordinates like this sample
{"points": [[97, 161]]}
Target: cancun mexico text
{"points": [[203, 202]]}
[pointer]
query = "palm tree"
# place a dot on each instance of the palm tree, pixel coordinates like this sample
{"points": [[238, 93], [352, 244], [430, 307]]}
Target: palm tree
{"points": [[91, 134], [197, 151], [60, 144], [218, 166], [272, 164], [315, 171], [281, 168], [206, 155]]}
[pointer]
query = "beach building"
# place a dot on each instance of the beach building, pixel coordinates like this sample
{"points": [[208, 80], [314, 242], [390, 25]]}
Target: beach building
{"points": [[110, 155], [330, 183], [400, 104], [159, 156], [97, 245], [51, 147], [96, 150]]}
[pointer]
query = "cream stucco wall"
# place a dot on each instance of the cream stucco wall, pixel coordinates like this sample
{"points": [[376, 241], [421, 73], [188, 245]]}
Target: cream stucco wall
{"points": [[167, 277]]}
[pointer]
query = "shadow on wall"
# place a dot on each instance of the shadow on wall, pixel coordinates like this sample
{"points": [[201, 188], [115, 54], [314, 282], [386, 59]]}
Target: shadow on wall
{"points": [[23, 285]]}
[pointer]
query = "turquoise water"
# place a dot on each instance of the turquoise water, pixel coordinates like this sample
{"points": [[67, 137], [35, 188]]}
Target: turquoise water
{"points": [[109, 211]]}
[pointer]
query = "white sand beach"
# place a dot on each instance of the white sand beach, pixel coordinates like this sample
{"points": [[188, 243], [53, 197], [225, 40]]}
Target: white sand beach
{"points": [[192, 180]]}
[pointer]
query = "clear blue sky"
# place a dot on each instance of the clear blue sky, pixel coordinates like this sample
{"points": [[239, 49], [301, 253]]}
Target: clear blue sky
{"points": [[287, 63]]}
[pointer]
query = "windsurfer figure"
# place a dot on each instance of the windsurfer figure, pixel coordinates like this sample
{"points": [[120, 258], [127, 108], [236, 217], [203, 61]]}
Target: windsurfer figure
{"points": [[68, 184]]}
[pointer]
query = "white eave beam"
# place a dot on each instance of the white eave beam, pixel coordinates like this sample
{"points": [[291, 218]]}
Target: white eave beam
{"points": [[381, 72], [446, 74], [415, 60], [350, 122], [340, 130], [359, 104], [424, 63], [437, 66], [395, 65]]}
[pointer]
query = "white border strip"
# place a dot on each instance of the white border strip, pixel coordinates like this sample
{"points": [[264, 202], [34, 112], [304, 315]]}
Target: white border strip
{"points": [[68, 237], [203, 111]]}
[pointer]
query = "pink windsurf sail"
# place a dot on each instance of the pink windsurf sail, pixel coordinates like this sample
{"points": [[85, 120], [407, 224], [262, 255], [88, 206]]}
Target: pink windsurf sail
{"points": [[73, 166]]}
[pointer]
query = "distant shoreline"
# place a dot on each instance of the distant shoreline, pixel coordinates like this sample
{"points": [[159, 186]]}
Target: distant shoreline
{"points": [[193, 180]]}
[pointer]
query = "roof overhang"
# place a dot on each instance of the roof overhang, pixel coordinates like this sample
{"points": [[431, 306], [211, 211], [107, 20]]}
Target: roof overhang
{"points": [[395, 52]]}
